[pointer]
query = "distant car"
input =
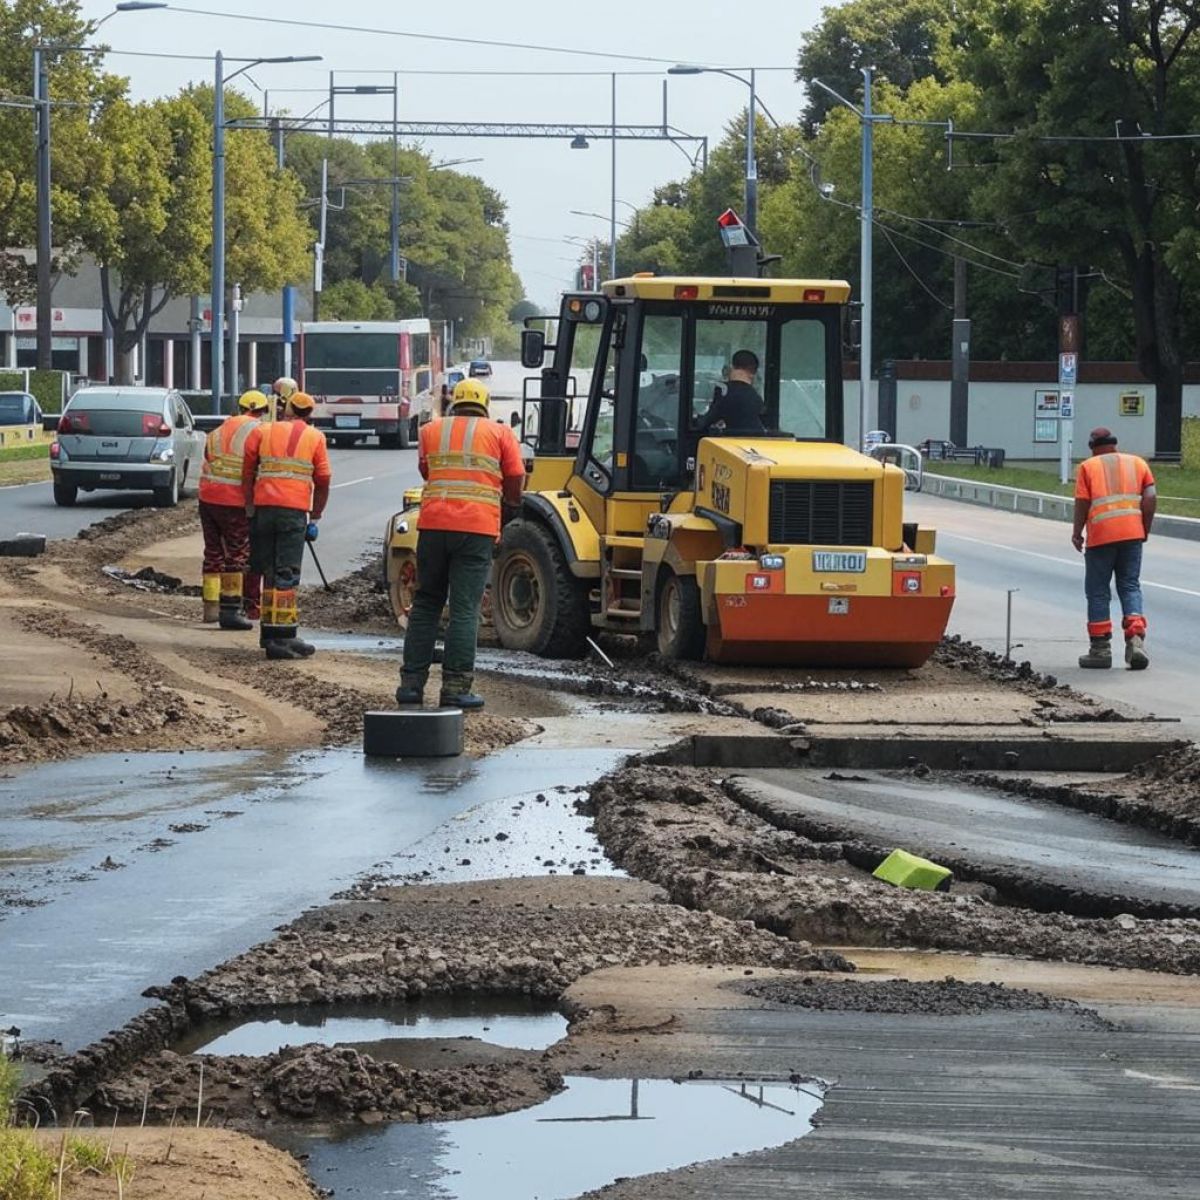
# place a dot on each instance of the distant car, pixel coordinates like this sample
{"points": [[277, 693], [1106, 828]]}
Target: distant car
{"points": [[480, 368], [453, 378], [128, 438], [19, 408]]}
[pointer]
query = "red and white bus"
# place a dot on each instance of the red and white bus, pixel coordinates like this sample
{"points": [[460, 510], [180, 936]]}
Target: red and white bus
{"points": [[367, 377]]}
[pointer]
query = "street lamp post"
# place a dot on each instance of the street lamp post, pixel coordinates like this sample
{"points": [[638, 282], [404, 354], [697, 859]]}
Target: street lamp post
{"points": [[218, 238], [751, 116], [868, 118], [41, 96]]}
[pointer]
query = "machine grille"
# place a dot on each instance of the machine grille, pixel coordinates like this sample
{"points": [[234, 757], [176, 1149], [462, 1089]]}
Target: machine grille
{"points": [[818, 513]]}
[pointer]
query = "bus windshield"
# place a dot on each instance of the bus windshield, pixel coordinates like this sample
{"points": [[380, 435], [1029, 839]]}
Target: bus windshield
{"points": [[325, 351]]}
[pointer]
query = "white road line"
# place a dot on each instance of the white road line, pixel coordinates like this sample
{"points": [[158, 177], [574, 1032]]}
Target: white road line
{"points": [[1067, 562], [352, 482]]}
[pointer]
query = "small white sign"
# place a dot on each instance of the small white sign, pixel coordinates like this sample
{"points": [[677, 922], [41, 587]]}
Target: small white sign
{"points": [[1066, 405], [1068, 369], [839, 606]]}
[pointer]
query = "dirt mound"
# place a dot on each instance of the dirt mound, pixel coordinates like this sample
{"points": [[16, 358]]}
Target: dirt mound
{"points": [[358, 602], [330, 1083], [945, 998]]}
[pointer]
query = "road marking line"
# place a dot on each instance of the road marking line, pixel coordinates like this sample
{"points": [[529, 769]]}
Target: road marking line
{"points": [[1068, 562], [352, 482]]}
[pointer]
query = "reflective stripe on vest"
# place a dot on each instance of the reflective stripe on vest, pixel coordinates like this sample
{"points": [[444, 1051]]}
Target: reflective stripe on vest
{"points": [[221, 471]]}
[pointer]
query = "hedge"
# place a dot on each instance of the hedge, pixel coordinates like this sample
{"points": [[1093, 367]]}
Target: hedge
{"points": [[46, 386]]}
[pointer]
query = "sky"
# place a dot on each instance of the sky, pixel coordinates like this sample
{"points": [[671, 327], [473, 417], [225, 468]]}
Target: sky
{"points": [[541, 180]]}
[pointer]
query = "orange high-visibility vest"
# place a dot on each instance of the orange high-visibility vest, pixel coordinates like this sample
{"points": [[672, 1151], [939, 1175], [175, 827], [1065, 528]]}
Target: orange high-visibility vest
{"points": [[284, 460], [224, 451], [1115, 484], [466, 461]]}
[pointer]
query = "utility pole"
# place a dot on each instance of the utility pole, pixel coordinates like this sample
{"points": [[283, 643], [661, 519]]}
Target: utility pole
{"points": [[217, 301], [866, 250], [751, 161], [45, 323], [395, 263], [960, 357], [612, 211]]}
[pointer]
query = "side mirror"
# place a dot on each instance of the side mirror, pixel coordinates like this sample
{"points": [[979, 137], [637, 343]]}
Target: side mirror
{"points": [[533, 348]]}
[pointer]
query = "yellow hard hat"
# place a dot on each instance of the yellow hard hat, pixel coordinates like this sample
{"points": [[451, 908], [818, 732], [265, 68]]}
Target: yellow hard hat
{"points": [[285, 386], [301, 401], [470, 391], [252, 401]]}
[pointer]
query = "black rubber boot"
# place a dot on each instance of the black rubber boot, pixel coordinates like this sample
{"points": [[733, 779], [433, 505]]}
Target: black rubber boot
{"points": [[235, 620], [1136, 657], [1099, 655], [301, 648], [281, 648], [463, 700], [407, 696]]}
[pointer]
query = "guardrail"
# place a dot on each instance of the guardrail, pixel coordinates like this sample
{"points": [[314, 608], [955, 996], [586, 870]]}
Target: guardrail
{"points": [[1038, 504]]}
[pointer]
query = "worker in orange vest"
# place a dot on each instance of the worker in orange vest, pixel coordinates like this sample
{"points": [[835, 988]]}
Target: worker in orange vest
{"points": [[472, 466], [1115, 501], [225, 584], [285, 486]]}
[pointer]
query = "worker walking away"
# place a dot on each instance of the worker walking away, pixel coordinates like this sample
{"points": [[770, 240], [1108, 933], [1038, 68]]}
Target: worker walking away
{"points": [[472, 466], [230, 595], [1115, 501], [285, 484]]}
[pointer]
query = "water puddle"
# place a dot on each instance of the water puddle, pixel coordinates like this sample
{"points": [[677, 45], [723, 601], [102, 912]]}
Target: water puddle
{"points": [[517, 1022], [596, 1131]]}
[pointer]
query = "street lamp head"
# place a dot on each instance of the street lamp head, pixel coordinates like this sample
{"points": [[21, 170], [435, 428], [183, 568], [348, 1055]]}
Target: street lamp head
{"points": [[139, 5], [684, 69], [293, 58], [579, 142]]}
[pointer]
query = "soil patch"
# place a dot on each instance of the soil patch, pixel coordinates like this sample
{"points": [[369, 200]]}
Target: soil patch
{"points": [[359, 603], [191, 1164], [945, 998]]}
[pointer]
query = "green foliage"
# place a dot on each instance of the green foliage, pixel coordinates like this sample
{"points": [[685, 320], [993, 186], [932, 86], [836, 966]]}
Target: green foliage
{"points": [[27, 1172], [900, 39], [46, 387], [353, 300], [1190, 456], [26, 451]]}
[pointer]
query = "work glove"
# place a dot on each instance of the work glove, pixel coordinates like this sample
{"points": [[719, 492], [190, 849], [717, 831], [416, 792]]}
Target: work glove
{"points": [[311, 531]]}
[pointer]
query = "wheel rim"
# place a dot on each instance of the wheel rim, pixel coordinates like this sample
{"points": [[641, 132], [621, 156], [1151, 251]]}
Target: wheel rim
{"points": [[404, 588], [669, 614], [518, 590]]}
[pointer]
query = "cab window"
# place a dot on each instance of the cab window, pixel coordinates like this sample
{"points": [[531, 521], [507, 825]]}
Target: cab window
{"points": [[656, 460], [802, 368], [716, 344]]}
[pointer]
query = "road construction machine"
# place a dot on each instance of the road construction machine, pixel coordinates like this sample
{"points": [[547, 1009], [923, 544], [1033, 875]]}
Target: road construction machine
{"points": [[781, 546]]}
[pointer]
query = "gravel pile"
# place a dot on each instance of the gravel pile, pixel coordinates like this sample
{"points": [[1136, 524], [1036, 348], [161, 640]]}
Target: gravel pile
{"points": [[313, 1082]]}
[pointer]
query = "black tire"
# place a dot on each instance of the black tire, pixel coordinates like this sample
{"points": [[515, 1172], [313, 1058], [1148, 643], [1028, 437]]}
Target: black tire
{"points": [[340, 443], [65, 495], [388, 441], [168, 497], [404, 435], [414, 430], [537, 604], [678, 621]]}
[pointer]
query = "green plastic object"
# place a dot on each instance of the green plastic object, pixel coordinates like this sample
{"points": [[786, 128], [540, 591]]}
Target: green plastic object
{"points": [[911, 871]]}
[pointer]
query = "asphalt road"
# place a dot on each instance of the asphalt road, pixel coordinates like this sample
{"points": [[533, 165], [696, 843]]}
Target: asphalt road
{"points": [[368, 486], [995, 551]]}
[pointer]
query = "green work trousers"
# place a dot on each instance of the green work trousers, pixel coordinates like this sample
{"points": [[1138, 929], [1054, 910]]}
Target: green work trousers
{"points": [[277, 545], [455, 566]]}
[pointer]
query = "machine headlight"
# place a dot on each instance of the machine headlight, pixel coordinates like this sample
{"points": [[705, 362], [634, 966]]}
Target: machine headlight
{"points": [[771, 562]]}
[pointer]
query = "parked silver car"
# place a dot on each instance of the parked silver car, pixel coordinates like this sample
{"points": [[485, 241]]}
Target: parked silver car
{"points": [[131, 438]]}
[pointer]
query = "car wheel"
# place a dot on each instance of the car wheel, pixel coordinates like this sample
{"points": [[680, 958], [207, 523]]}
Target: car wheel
{"points": [[65, 494], [168, 497]]}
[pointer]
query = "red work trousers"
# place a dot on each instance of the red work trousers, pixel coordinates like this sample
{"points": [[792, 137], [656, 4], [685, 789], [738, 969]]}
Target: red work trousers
{"points": [[226, 531]]}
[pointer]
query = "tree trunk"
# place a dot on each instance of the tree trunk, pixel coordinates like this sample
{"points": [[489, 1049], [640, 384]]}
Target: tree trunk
{"points": [[1168, 408], [123, 364]]}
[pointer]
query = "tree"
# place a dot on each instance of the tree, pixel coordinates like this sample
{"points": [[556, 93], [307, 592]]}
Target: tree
{"points": [[1125, 208], [898, 38], [149, 222], [76, 85]]}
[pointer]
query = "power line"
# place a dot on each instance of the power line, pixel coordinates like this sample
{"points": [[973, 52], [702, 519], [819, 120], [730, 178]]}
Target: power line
{"points": [[487, 43], [908, 266]]}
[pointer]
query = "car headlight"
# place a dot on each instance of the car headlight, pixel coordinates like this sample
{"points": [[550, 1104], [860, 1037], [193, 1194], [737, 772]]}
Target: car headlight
{"points": [[166, 454]]}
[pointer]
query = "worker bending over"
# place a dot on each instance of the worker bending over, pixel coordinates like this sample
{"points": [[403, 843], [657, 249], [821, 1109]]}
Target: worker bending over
{"points": [[471, 466], [226, 586], [1115, 499], [285, 484]]}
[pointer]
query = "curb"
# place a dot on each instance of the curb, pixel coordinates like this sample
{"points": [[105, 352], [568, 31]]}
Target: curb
{"points": [[1037, 504]]}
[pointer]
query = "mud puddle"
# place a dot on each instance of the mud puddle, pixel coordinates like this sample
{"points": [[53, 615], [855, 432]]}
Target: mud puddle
{"points": [[1010, 841], [517, 1022], [75, 966], [594, 1132]]}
